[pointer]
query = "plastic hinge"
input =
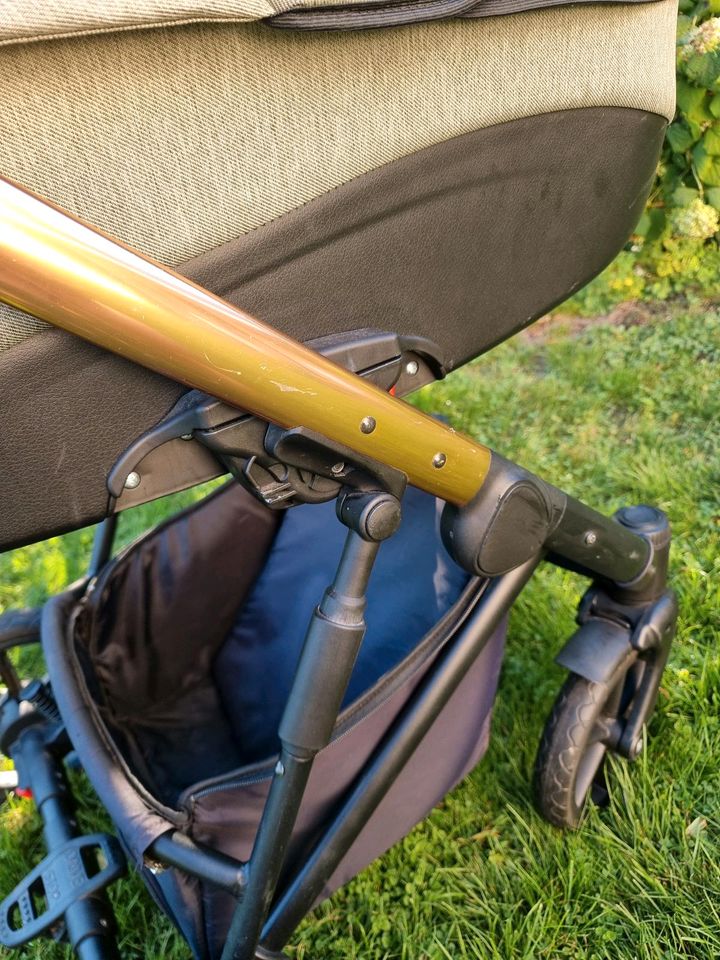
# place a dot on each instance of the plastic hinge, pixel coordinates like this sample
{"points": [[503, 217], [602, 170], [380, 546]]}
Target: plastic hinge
{"points": [[40, 900]]}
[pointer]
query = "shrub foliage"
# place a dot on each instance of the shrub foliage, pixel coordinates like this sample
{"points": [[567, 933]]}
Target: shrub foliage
{"points": [[675, 248]]}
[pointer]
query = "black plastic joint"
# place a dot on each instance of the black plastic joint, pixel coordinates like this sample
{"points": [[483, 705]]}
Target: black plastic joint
{"points": [[653, 526], [15, 718], [505, 524], [373, 516], [327, 657]]}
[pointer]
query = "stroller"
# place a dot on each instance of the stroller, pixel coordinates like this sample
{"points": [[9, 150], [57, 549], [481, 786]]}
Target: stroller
{"points": [[393, 188]]}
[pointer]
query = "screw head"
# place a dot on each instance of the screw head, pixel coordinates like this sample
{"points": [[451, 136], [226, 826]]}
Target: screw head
{"points": [[337, 467], [636, 748], [439, 461], [590, 538], [132, 480], [368, 424], [279, 769], [186, 436], [412, 367]]}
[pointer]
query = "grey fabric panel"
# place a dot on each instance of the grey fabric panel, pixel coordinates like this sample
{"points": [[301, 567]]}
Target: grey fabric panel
{"points": [[30, 21], [227, 819], [23, 21], [465, 242], [201, 133]]}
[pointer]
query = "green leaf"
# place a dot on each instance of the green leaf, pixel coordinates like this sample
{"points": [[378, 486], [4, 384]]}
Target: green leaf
{"points": [[714, 6], [657, 219], [684, 23], [712, 196], [714, 105], [679, 137], [682, 196], [711, 140], [707, 166], [694, 105], [703, 69]]}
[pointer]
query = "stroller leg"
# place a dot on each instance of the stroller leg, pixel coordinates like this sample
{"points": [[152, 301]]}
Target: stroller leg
{"points": [[102, 544], [64, 894], [390, 758], [331, 646]]}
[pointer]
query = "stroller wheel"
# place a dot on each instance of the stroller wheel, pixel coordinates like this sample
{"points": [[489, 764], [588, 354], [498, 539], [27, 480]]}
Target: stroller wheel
{"points": [[583, 725]]}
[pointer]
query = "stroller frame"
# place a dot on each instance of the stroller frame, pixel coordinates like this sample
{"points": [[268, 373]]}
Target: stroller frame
{"points": [[305, 413]]}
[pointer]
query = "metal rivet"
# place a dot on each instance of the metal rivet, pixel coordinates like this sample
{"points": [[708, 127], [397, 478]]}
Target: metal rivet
{"points": [[412, 367], [133, 480], [279, 769], [636, 749], [590, 538], [186, 436], [337, 467], [439, 460], [368, 424]]}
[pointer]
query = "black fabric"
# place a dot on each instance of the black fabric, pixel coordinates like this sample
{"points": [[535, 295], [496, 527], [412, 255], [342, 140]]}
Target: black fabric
{"points": [[149, 631], [190, 639], [463, 243], [412, 586], [69, 409]]}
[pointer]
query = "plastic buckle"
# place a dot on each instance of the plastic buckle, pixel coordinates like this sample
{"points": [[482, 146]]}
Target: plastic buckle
{"points": [[78, 869]]}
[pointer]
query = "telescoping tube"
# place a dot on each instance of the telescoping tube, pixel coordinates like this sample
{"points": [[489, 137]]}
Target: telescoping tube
{"points": [[74, 277]]}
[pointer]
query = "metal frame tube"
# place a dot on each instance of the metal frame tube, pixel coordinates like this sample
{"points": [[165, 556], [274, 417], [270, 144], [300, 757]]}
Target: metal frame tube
{"points": [[331, 646], [175, 849], [594, 545], [89, 922], [391, 756], [65, 272], [102, 544]]}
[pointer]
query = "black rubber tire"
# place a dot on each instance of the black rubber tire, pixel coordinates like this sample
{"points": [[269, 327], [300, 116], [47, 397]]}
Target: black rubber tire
{"points": [[565, 747]]}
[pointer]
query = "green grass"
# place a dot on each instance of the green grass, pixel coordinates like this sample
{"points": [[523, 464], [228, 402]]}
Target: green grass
{"points": [[614, 415]]}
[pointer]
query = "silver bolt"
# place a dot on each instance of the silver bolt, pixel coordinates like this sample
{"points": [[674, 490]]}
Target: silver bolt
{"points": [[186, 436], [337, 467], [636, 749], [439, 460], [279, 769], [590, 538], [368, 424], [412, 367], [133, 480]]}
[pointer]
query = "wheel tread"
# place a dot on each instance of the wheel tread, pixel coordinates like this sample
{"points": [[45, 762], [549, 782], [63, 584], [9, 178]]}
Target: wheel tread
{"points": [[571, 719]]}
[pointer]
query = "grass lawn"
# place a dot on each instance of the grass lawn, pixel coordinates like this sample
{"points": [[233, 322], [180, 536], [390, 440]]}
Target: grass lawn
{"points": [[616, 415]]}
